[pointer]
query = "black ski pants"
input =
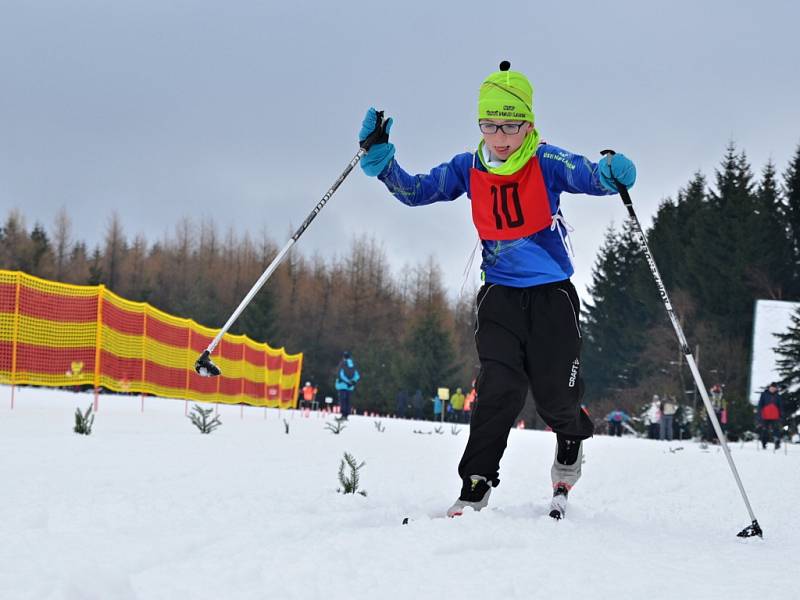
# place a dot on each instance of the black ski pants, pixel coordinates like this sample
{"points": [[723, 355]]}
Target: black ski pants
{"points": [[526, 338], [771, 432], [344, 402]]}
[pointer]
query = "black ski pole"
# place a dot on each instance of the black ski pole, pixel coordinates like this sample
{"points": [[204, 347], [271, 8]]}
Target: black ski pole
{"points": [[753, 529], [203, 365]]}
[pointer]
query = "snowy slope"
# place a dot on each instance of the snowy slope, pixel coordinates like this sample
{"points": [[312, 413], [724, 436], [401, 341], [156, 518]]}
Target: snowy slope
{"points": [[147, 508]]}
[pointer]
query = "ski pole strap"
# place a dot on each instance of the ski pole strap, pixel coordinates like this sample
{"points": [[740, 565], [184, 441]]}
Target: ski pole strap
{"points": [[623, 191]]}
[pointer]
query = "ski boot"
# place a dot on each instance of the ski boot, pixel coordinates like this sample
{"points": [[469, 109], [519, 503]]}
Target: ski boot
{"points": [[474, 494], [565, 472], [558, 505]]}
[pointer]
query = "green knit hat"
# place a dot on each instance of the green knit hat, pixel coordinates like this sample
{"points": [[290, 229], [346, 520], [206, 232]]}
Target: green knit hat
{"points": [[506, 95]]}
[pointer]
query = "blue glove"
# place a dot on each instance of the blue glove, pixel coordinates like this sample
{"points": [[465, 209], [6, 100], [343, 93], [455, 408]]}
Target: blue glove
{"points": [[380, 152], [619, 167]]}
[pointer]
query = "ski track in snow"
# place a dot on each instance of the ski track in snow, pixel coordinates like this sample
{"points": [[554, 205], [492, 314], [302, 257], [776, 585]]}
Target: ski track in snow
{"points": [[147, 508]]}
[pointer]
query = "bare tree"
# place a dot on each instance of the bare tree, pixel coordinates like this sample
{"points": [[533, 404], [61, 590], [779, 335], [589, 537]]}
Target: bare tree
{"points": [[62, 242], [114, 254]]}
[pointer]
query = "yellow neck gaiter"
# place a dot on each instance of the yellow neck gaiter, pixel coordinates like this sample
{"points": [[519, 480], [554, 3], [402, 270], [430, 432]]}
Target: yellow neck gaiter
{"points": [[518, 159]]}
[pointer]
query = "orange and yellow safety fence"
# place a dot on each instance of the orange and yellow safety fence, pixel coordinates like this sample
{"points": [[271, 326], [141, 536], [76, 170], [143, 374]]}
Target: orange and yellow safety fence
{"points": [[57, 334]]}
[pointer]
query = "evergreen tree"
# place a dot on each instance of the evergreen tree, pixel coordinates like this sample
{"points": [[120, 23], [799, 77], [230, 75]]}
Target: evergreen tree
{"points": [[15, 251], [789, 365], [616, 321], [723, 248], [769, 270], [675, 227], [430, 355], [741, 417], [791, 211], [96, 268], [258, 321], [41, 253], [115, 250], [379, 381]]}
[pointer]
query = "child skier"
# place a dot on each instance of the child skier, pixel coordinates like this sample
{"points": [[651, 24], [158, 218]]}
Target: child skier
{"points": [[527, 329]]}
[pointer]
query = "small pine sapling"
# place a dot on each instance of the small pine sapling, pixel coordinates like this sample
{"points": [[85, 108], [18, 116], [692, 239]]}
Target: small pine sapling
{"points": [[455, 430], [379, 427], [336, 427], [200, 418], [439, 430], [350, 482], [83, 421], [286, 426]]}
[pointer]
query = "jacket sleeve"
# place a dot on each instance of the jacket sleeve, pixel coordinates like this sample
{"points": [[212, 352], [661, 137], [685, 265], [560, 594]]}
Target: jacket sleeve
{"points": [[445, 182], [343, 376], [565, 171]]}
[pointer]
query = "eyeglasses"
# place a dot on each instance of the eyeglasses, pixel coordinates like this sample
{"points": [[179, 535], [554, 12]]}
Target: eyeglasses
{"points": [[507, 128]]}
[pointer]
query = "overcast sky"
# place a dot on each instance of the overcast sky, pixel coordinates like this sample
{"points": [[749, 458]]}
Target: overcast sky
{"points": [[246, 112]]}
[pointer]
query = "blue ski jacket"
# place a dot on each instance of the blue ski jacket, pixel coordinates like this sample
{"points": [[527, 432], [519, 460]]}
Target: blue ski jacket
{"points": [[348, 375], [617, 416], [533, 260]]}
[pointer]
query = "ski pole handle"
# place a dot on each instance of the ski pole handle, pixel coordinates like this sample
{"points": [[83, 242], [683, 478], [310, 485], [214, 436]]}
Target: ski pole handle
{"points": [[623, 191], [379, 135]]}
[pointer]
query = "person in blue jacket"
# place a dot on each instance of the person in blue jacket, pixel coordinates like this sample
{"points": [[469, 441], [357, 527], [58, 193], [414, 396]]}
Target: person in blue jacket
{"points": [[347, 376], [615, 419], [437, 407], [527, 328]]}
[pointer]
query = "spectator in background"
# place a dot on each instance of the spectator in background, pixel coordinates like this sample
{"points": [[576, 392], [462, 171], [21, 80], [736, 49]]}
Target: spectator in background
{"points": [[309, 396], [668, 410], [615, 419], [347, 376], [770, 415], [418, 402], [457, 402], [402, 404], [719, 404], [652, 418], [437, 408]]}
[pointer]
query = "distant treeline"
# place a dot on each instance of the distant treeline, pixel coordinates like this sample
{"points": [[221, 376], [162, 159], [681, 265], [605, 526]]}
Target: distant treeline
{"points": [[718, 249], [402, 330]]}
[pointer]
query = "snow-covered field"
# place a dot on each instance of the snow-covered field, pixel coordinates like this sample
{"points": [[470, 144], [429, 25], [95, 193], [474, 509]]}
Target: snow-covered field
{"points": [[147, 508]]}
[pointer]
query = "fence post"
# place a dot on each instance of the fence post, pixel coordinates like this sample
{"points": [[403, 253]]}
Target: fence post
{"points": [[298, 380], [244, 374], [188, 368], [14, 337], [219, 379], [266, 378], [97, 342], [144, 351]]}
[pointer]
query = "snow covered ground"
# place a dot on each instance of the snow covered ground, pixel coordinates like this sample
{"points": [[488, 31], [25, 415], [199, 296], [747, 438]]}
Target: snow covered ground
{"points": [[147, 508]]}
